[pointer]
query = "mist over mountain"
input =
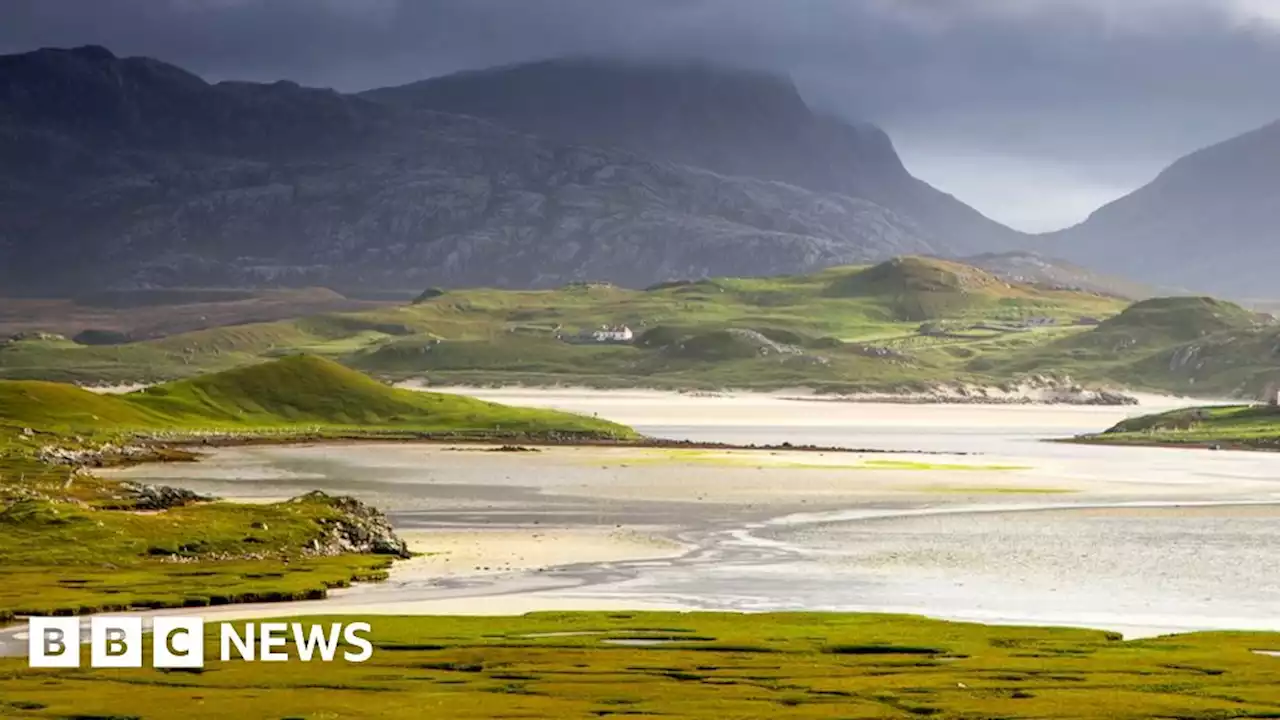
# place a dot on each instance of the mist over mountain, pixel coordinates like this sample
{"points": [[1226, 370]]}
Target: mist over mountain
{"points": [[1210, 222], [130, 171]]}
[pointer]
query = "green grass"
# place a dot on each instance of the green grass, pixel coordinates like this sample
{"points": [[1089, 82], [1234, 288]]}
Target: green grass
{"points": [[709, 666], [901, 326], [1254, 427], [1187, 345], [694, 334], [70, 542], [301, 392]]}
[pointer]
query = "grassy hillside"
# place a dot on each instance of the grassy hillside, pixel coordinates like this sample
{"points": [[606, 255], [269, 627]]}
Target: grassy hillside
{"points": [[901, 325], [300, 391], [70, 542], [1254, 427], [1186, 345], [842, 329], [698, 665], [914, 289]]}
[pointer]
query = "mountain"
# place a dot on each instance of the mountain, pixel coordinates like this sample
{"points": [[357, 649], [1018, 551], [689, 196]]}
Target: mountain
{"points": [[732, 121], [1210, 222], [129, 172]]}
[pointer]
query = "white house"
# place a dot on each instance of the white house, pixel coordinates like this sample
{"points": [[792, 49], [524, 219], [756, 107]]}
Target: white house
{"points": [[618, 334]]}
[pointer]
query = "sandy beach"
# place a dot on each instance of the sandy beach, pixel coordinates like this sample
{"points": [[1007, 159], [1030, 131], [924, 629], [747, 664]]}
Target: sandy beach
{"points": [[455, 553]]}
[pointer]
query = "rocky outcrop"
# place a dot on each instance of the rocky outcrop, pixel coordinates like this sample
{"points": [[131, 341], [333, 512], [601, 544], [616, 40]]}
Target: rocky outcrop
{"points": [[99, 456], [159, 497], [131, 172], [358, 528]]}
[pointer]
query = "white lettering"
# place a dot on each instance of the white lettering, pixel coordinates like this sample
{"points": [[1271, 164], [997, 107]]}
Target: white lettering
{"points": [[316, 638], [244, 646], [352, 636], [273, 635]]}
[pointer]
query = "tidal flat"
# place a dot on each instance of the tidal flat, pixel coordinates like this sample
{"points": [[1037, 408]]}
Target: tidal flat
{"points": [[992, 524]]}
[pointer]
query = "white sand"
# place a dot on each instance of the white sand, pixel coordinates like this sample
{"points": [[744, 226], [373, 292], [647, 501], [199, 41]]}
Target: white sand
{"points": [[744, 409], [454, 553]]}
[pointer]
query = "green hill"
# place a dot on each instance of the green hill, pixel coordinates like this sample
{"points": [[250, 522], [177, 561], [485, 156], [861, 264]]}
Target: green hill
{"points": [[38, 404], [1190, 345], [295, 391], [860, 329], [1173, 320], [917, 289]]}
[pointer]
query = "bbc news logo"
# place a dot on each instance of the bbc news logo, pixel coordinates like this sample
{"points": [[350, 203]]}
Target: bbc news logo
{"points": [[179, 642]]}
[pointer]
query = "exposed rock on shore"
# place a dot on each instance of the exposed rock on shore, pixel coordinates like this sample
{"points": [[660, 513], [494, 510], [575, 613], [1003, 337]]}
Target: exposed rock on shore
{"points": [[1033, 390], [359, 528], [160, 497]]}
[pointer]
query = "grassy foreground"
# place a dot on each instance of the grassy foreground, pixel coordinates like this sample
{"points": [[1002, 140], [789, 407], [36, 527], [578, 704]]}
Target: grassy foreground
{"points": [[1252, 427], [71, 542], [694, 666]]}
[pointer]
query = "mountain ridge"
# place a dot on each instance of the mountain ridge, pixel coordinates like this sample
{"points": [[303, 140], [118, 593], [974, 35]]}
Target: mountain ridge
{"points": [[1206, 222], [129, 172], [620, 103]]}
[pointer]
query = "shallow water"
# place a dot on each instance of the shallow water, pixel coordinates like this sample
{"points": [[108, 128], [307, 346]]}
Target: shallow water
{"points": [[1128, 569], [1137, 546]]}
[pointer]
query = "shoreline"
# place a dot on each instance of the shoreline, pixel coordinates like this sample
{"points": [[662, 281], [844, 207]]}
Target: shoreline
{"points": [[985, 395], [1132, 442], [805, 394], [181, 450]]}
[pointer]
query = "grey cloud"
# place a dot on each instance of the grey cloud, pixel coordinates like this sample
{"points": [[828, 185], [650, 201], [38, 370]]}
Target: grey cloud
{"points": [[986, 98]]}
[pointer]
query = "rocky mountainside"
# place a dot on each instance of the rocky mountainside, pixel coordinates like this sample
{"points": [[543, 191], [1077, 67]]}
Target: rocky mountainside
{"points": [[131, 172], [734, 122], [1211, 222]]}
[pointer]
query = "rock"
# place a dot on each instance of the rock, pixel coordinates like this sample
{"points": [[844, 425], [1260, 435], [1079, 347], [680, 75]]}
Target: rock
{"points": [[160, 497], [35, 335], [360, 528]]}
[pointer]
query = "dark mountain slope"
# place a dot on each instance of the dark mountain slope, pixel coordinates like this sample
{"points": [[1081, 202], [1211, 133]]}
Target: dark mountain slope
{"points": [[1210, 222], [126, 172], [731, 121]]}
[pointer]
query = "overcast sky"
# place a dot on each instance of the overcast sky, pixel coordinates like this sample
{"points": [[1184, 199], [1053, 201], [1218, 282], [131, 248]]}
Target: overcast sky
{"points": [[1034, 111]]}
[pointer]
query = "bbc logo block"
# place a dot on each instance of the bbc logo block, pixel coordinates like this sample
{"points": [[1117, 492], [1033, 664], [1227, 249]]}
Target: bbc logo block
{"points": [[53, 642], [115, 642]]}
